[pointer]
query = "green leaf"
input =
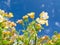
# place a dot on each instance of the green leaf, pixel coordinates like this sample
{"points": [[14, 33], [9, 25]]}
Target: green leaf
{"points": [[5, 42], [55, 32]]}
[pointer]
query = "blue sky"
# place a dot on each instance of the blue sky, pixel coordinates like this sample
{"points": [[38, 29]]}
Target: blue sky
{"points": [[22, 7]]}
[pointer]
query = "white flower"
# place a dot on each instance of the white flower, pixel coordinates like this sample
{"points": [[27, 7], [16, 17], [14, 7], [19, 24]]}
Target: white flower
{"points": [[31, 15], [38, 19], [44, 15], [46, 22], [42, 21], [1, 18], [1, 11]]}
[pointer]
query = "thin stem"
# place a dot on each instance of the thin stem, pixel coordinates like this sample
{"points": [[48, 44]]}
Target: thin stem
{"points": [[23, 27], [35, 39], [1, 36]]}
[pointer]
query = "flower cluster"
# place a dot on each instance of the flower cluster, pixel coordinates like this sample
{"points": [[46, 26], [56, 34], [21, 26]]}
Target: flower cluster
{"points": [[31, 28], [10, 36], [7, 28], [43, 18]]}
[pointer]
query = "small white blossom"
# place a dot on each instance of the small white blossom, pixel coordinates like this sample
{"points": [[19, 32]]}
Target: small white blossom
{"points": [[44, 15]]}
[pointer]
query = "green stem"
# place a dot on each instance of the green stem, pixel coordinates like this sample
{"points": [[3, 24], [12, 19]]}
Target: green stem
{"points": [[1, 37], [23, 27], [29, 41], [35, 39]]}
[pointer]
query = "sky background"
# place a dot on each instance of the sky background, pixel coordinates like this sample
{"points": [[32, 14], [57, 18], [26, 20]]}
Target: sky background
{"points": [[22, 7]]}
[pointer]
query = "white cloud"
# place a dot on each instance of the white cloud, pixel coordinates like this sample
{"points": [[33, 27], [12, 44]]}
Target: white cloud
{"points": [[57, 24], [53, 10], [43, 5], [7, 3], [47, 31]]}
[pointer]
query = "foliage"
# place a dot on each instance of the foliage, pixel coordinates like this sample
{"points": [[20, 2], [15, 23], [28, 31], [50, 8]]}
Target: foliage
{"points": [[9, 35]]}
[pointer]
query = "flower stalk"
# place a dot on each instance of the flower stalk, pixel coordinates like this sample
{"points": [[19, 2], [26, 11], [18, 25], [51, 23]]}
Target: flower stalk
{"points": [[9, 35]]}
